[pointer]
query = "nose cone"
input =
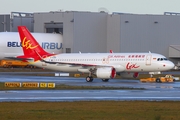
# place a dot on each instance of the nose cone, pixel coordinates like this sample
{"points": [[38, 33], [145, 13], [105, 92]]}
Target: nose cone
{"points": [[170, 65]]}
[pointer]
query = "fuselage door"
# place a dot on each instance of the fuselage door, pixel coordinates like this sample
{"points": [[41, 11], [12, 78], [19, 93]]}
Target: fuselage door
{"points": [[148, 59]]}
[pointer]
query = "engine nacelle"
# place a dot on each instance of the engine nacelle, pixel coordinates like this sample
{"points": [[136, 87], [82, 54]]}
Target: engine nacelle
{"points": [[129, 75], [106, 72]]}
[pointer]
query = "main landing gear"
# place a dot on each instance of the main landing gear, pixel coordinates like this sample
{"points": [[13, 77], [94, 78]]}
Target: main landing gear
{"points": [[89, 78]]}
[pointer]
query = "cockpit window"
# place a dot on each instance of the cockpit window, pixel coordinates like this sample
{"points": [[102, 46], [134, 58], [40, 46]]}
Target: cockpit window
{"points": [[162, 59]]}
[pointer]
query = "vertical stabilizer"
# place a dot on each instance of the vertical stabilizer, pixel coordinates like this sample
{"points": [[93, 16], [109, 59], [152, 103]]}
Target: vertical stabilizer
{"points": [[30, 46]]}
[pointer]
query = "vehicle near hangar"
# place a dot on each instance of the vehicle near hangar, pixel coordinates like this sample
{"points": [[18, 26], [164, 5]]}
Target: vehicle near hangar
{"points": [[166, 78], [15, 64]]}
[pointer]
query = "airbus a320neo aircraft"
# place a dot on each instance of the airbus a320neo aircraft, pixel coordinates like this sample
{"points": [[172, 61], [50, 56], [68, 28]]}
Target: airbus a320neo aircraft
{"points": [[103, 65]]}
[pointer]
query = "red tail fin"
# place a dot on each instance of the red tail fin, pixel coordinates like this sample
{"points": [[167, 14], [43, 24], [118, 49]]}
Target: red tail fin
{"points": [[31, 47]]}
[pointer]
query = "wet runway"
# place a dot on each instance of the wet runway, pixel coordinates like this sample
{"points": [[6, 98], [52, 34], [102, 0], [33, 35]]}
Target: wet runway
{"points": [[152, 92]]}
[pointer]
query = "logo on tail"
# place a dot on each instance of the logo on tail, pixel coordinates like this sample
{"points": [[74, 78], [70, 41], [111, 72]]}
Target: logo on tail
{"points": [[26, 44]]}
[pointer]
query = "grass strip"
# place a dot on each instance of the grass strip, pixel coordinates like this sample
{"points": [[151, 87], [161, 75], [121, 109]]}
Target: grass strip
{"points": [[91, 110]]}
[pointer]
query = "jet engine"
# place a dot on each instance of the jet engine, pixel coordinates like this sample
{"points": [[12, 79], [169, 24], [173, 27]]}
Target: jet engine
{"points": [[129, 75], [106, 72]]}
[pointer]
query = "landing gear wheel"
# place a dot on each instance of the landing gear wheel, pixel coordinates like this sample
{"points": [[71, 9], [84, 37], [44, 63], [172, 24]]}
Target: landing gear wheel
{"points": [[89, 79], [158, 80], [105, 80]]}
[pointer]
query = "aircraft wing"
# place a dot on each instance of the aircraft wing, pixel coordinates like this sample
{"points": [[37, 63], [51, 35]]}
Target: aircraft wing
{"points": [[119, 67], [75, 64]]}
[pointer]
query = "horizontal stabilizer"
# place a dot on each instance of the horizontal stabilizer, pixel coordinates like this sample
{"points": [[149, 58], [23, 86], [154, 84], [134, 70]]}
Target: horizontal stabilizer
{"points": [[18, 58]]}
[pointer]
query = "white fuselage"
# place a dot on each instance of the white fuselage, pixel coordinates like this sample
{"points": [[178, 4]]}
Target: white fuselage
{"points": [[122, 62], [10, 45]]}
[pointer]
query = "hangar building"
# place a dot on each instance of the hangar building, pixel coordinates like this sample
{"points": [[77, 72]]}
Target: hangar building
{"points": [[4, 22], [9, 22], [100, 31]]}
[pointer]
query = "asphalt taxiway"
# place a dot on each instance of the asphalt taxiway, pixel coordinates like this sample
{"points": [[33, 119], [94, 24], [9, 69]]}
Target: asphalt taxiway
{"points": [[151, 92]]}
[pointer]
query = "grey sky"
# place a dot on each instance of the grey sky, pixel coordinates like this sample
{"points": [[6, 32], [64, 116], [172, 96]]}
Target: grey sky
{"points": [[124, 6]]}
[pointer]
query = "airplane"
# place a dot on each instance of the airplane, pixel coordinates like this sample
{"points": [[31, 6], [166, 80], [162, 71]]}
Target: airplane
{"points": [[104, 65], [10, 45]]}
